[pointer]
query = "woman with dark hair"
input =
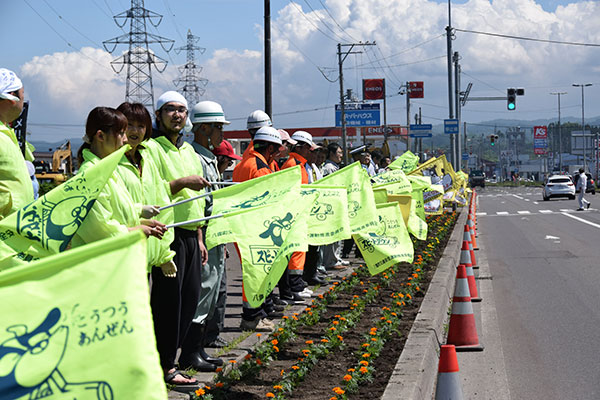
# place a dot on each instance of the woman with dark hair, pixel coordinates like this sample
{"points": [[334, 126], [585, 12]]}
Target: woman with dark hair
{"points": [[146, 186], [114, 211]]}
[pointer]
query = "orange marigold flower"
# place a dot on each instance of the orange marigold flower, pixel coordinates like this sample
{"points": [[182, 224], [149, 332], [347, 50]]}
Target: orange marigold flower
{"points": [[365, 345], [207, 387], [338, 390], [219, 384], [415, 275], [340, 337], [200, 392], [342, 319], [363, 362], [361, 282], [417, 288], [280, 329], [309, 342], [232, 361], [366, 355], [270, 395], [282, 372], [333, 398], [276, 349], [408, 284], [324, 341], [294, 318], [320, 296], [409, 278], [278, 387], [258, 334], [363, 370], [248, 356], [274, 342], [351, 370], [336, 322], [332, 328], [258, 361], [374, 339], [394, 314], [409, 296], [306, 351], [382, 318], [347, 378], [398, 303], [285, 317], [354, 274], [295, 367], [219, 369], [388, 321]]}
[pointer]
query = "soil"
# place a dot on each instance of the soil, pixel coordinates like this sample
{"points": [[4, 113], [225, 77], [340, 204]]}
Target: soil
{"points": [[328, 373]]}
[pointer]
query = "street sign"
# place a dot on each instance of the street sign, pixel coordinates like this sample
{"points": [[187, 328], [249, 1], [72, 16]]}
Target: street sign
{"points": [[465, 156], [540, 140], [420, 131], [450, 126], [373, 89], [358, 115], [416, 90]]}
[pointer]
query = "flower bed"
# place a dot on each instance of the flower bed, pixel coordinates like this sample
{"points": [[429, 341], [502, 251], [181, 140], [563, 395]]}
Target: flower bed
{"points": [[346, 343]]}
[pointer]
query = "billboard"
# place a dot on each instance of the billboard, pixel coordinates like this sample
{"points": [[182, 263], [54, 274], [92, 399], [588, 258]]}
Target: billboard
{"points": [[373, 89], [540, 139], [416, 90], [358, 115]]}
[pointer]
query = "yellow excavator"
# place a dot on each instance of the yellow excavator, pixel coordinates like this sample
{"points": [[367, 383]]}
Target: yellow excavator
{"points": [[61, 168]]}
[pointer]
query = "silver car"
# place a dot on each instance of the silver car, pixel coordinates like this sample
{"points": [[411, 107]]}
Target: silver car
{"points": [[559, 186]]}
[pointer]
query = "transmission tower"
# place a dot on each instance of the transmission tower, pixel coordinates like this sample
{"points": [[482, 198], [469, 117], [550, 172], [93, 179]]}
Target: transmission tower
{"points": [[139, 58], [191, 89]]}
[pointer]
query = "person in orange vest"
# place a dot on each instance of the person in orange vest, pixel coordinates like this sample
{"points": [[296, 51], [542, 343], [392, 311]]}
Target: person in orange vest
{"points": [[298, 156], [267, 142]]}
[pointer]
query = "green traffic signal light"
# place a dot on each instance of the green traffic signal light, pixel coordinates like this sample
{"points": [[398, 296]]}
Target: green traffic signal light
{"points": [[511, 106], [511, 99]]}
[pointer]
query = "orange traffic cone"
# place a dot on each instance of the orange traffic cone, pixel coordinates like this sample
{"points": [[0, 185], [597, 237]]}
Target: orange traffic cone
{"points": [[465, 254], [448, 383], [462, 332], [472, 285], [467, 238]]}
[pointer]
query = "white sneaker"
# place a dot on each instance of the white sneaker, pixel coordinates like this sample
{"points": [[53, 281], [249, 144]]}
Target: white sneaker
{"points": [[257, 325], [308, 290], [344, 262], [305, 294]]}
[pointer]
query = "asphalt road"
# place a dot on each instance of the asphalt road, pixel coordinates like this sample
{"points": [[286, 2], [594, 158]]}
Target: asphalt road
{"points": [[544, 261]]}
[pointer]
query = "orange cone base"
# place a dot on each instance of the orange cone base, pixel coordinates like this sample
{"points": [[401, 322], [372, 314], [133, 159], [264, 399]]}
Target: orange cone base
{"points": [[477, 347], [462, 333]]}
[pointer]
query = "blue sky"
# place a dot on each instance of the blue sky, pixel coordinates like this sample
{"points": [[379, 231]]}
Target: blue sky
{"points": [[66, 71]]}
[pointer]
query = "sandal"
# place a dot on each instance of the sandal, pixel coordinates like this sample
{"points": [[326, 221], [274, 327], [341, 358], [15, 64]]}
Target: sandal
{"points": [[170, 379]]}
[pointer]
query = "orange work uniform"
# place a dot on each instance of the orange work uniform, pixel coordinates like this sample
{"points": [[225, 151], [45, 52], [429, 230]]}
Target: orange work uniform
{"points": [[296, 263]]}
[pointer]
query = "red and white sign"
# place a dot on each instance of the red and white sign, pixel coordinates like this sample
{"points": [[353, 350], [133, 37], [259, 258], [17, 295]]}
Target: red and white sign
{"points": [[416, 90], [373, 89], [540, 132]]}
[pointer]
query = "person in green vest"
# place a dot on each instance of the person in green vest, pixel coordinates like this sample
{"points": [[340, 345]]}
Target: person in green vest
{"points": [[148, 189], [16, 189], [114, 211]]}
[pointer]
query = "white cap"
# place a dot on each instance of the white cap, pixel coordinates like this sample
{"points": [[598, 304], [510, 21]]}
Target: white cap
{"points": [[305, 137], [207, 112], [9, 82], [285, 136], [258, 119], [268, 134], [170, 96]]}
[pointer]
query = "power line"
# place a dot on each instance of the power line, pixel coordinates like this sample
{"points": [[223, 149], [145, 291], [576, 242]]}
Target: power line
{"points": [[339, 26], [311, 22], [410, 48], [528, 38], [72, 27], [479, 80], [323, 22]]}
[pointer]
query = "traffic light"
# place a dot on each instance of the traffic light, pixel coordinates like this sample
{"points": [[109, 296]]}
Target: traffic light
{"points": [[511, 99], [493, 139]]}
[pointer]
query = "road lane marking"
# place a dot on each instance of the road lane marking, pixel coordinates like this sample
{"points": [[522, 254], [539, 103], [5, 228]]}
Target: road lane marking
{"points": [[582, 220], [536, 203], [480, 213], [502, 212], [565, 210], [523, 212], [546, 211], [518, 197]]}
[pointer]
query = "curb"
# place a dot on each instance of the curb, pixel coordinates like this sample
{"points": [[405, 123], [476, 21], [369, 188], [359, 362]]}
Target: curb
{"points": [[416, 370]]}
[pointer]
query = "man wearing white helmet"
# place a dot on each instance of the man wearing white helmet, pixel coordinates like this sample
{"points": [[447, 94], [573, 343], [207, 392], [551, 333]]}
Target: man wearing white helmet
{"points": [[15, 186], [207, 118], [256, 120], [267, 142], [174, 301], [298, 156]]}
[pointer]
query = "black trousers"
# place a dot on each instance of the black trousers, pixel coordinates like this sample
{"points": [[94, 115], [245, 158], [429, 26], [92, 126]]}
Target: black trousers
{"points": [[284, 285], [310, 265], [174, 300]]}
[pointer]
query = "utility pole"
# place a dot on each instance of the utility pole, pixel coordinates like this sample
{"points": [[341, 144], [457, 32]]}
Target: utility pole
{"points": [[268, 86], [456, 137], [139, 58], [559, 131], [583, 85], [405, 89], [450, 99], [341, 78], [190, 90]]}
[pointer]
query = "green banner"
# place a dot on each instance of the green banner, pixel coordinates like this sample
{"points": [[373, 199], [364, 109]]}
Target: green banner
{"points": [[389, 244], [416, 219], [266, 236], [46, 226], [255, 192], [380, 195], [77, 325], [406, 162], [361, 202], [328, 220]]}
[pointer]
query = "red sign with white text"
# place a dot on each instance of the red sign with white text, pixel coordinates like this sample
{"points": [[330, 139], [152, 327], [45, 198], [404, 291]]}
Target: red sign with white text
{"points": [[373, 89], [416, 90]]}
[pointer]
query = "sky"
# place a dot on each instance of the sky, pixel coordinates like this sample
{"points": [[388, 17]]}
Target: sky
{"points": [[55, 46]]}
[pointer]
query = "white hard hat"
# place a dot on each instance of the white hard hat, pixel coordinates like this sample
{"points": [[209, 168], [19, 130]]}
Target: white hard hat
{"points": [[258, 119], [207, 112], [303, 137], [268, 134]]}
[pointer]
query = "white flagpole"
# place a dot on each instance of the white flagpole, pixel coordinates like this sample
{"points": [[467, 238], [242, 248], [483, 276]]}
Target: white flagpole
{"points": [[195, 220]]}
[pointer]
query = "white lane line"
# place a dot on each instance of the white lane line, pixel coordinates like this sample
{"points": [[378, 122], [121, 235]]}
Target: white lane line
{"points": [[527, 200], [565, 210], [523, 212], [502, 212], [582, 220], [546, 211], [518, 197], [480, 213], [536, 203]]}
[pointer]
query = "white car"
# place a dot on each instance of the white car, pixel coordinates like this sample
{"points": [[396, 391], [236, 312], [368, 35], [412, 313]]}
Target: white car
{"points": [[559, 186]]}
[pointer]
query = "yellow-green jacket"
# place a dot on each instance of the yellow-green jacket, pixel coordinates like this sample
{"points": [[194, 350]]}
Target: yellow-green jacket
{"points": [[16, 189], [174, 163], [113, 212], [150, 189]]}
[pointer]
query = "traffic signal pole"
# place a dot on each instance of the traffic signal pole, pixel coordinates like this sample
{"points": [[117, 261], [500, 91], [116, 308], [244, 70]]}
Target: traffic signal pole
{"points": [[450, 91]]}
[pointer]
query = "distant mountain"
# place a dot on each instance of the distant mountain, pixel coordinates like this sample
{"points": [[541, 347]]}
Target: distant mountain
{"points": [[51, 146]]}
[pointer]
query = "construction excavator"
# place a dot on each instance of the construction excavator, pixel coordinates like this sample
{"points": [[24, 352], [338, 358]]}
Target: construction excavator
{"points": [[61, 168]]}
